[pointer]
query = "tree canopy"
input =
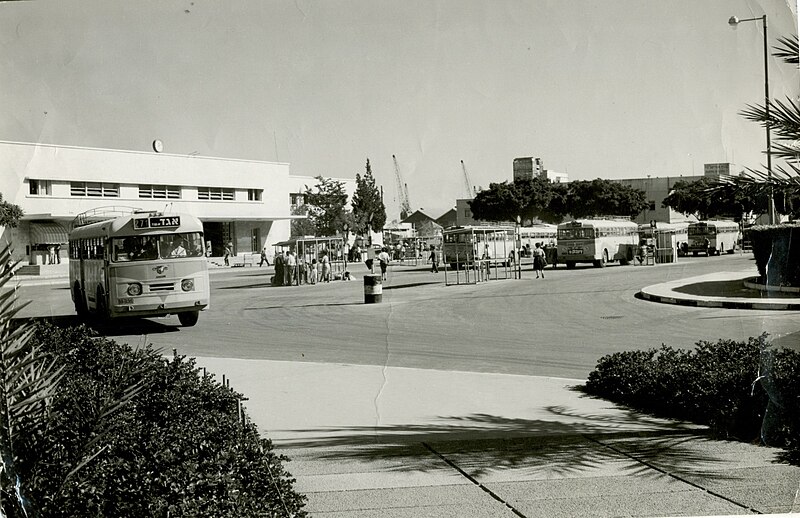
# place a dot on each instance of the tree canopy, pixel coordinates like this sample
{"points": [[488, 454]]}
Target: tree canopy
{"points": [[10, 214], [706, 198], [552, 202], [327, 206], [369, 212]]}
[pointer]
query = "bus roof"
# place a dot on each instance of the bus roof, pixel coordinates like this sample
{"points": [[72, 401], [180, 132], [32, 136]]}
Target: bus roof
{"points": [[477, 228], [140, 223], [597, 223]]}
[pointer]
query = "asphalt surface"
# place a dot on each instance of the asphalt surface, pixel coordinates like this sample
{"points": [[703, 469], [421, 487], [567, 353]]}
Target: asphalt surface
{"points": [[383, 440]]}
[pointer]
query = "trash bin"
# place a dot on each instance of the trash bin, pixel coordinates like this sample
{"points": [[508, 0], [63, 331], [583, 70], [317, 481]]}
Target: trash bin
{"points": [[373, 289]]}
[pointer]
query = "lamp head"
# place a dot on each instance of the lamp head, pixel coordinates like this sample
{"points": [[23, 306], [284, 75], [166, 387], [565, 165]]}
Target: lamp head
{"points": [[733, 21]]}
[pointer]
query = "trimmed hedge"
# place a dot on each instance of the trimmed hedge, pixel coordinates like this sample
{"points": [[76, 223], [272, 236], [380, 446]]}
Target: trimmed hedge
{"points": [[776, 249], [179, 447], [741, 390]]}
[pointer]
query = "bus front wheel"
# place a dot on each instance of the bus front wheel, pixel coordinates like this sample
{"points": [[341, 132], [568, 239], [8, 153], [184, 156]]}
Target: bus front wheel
{"points": [[570, 265], [188, 318]]}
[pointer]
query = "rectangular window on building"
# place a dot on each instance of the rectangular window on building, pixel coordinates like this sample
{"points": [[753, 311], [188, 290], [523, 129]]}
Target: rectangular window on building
{"points": [[215, 193], [652, 205], [254, 194], [40, 187], [296, 199], [94, 189], [160, 192]]}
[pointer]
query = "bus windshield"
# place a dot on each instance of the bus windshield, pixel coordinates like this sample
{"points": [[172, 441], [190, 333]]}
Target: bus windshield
{"points": [[576, 233], [151, 247]]}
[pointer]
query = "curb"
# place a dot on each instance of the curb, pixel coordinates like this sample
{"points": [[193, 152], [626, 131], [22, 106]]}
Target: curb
{"points": [[716, 303]]}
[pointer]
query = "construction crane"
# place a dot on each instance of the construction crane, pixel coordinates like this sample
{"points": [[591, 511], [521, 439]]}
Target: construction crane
{"points": [[402, 192], [470, 189]]}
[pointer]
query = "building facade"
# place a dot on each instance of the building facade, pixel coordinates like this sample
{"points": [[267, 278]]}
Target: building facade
{"points": [[243, 202]]}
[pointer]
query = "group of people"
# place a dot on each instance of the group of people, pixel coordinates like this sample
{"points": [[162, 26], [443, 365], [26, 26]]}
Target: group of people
{"points": [[291, 269], [53, 254]]}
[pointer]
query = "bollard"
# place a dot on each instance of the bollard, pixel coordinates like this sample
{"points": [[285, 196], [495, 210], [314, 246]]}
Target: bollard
{"points": [[373, 290]]}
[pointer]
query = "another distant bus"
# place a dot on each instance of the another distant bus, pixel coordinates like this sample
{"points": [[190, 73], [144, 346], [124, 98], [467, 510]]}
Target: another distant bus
{"points": [[542, 233], [665, 231], [143, 264], [713, 237], [596, 241], [463, 245]]}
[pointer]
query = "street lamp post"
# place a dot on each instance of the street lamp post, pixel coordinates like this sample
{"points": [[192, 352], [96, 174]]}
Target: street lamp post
{"points": [[733, 21]]}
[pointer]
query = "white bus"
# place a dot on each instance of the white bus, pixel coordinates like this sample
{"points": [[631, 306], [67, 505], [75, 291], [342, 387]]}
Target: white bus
{"points": [[542, 233], [596, 241], [139, 265], [713, 237], [465, 245]]}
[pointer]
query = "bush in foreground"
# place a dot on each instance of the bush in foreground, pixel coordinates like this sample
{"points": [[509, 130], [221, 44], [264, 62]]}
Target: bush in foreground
{"points": [[131, 433], [742, 390]]}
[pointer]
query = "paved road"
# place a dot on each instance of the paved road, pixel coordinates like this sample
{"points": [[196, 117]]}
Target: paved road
{"points": [[558, 326]]}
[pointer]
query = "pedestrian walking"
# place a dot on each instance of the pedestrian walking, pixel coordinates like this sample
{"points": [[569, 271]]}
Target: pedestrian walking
{"points": [[434, 258], [263, 257], [227, 254], [539, 260], [383, 259]]}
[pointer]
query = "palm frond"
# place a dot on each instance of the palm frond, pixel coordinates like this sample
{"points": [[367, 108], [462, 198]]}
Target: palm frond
{"points": [[788, 50]]}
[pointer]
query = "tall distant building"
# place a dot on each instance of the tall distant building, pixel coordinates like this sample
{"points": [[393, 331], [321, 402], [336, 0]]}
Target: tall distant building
{"points": [[528, 168], [717, 170]]}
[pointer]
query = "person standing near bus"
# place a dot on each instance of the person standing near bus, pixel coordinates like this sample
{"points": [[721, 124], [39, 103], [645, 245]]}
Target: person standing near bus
{"points": [[278, 278], [539, 261], [289, 268]]}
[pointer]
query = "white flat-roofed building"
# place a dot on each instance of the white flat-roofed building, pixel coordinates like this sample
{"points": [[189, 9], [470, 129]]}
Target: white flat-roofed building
{"points": [[244, 202]]}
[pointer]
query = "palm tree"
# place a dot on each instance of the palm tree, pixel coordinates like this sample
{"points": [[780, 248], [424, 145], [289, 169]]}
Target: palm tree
{"points": [[783, 119]]}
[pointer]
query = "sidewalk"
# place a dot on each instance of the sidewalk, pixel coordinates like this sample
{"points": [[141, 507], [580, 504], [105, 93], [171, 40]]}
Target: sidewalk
{"points": [[370, 441]]}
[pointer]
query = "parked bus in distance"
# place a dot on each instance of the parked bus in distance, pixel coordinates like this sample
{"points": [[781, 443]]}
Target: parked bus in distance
{"points": [[713, 237], [596, 241], [542, 233], [463, 245], [140, 265], [679, 229]]}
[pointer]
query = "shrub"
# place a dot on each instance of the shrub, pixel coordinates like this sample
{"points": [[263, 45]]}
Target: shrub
{"points": [[776, 249], [739, 389], [179, 446]]}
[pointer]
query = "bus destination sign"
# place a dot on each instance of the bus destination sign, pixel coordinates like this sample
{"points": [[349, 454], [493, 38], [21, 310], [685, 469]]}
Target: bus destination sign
{"points": [[157, 222]]}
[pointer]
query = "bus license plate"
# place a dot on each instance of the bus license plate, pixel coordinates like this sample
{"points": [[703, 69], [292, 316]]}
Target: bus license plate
{"points": [[576, 250]]}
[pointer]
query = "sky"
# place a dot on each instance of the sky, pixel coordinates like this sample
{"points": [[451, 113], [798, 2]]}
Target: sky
{"points": [[595, 88]]}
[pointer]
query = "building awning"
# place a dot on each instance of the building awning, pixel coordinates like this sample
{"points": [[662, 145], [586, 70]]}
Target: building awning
{"points": [[48, 233]]}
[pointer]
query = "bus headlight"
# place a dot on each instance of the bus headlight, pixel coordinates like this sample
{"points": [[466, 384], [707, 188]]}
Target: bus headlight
{"points": [[187, 284], [134, 289]]}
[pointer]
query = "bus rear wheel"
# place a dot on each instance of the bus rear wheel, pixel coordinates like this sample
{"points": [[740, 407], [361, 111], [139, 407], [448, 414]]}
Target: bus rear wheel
{"points": [[80, 301], [188, 318], [570, 265], [601, 263], [101, 307]]}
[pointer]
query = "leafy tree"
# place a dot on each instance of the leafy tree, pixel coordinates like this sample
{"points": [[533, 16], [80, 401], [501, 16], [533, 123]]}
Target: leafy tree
{"points": [[500, 202], [327, 206], [589, 198], [369, 212], [10, 214], [304, 226], [536, 196], [706, 198]]}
